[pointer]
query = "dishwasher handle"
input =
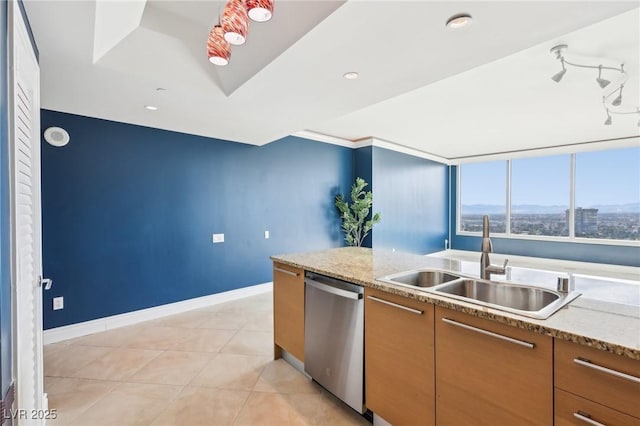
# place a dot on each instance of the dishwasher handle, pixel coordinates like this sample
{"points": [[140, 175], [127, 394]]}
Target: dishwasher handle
{"points": [[333, 290]]}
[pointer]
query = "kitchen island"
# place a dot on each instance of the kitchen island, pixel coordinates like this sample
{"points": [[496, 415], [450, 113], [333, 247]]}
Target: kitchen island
{"points": [[507, 385]]}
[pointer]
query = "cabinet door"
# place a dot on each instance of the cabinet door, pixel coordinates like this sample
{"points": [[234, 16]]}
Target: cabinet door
{"points": [[600, 376], [490, 373], [399, 369], [288, 310], [574, 410]]}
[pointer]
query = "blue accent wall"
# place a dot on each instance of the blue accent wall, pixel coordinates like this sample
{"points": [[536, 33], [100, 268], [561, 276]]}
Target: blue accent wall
{"points": [[129, 213], [412, 195], [5, 233], [583, 252]]}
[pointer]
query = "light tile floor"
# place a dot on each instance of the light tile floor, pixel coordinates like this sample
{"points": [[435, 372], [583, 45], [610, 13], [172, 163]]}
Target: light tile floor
{"points": [[212, 366]]}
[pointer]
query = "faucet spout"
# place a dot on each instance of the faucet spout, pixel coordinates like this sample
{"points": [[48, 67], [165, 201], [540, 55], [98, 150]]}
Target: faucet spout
{"points": [[486, 268]]}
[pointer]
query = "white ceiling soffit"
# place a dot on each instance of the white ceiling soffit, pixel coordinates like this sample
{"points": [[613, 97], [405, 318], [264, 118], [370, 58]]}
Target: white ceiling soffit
{"points": [[114, 20], [174, 36], [288, 76]]}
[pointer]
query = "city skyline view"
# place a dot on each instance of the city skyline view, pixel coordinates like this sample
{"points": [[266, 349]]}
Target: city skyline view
{"points": [[607, 195]]}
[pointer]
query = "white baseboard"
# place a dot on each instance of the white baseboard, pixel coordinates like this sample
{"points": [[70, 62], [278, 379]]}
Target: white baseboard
{"points": [[59, 334]]}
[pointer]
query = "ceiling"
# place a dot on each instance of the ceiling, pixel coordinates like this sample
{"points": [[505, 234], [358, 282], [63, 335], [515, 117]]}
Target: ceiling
{"points": [[452, 93]]}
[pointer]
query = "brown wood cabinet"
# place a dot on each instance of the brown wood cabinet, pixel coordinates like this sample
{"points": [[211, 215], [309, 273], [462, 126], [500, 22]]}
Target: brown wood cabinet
{"points": [[571, 410], [288, 310], [607, 379], [399, 367], [489, 373]]}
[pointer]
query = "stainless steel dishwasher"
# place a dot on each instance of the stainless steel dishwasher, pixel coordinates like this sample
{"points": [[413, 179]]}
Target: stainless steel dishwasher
{"points": [[334, 337]]}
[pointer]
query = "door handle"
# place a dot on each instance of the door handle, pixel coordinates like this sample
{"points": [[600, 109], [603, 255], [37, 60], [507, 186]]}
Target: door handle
{"points": [[46, 283]]}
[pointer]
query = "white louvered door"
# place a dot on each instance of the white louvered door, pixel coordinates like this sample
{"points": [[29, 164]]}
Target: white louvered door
{"points": [[26, 220]]}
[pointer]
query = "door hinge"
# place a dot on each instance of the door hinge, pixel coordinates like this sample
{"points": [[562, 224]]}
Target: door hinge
{"points": [[45, 282]]}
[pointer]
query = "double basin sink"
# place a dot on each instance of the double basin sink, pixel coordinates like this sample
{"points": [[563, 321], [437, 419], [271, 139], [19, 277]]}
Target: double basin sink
{"points": [[529, 301]]}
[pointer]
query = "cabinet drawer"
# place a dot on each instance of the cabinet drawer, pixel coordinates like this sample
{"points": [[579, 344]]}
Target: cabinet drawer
{"points": [[574, 410], [594, 374]]}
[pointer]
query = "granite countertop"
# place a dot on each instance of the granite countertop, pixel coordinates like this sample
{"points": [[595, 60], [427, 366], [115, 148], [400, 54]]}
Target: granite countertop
{"points": [[608, 326]]}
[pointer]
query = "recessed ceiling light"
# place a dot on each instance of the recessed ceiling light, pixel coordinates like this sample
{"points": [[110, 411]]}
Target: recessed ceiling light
{"points": [[151, 107], [351, 75], [459, 21]]}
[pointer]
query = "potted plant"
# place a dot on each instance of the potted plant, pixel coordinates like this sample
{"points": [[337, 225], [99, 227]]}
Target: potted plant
{"points": [[355, 217]]}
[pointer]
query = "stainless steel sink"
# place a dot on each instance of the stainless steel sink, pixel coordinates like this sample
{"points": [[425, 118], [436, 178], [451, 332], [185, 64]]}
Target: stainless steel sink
{"points": [[420, 278], [531, 301], [534, 302]]}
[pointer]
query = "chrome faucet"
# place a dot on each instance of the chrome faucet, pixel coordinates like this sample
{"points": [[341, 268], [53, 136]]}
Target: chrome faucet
{"points": [[486, 268]]}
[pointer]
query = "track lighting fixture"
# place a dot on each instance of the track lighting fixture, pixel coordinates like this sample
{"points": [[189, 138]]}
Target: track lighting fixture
{"points": [[559, 50], [602, 82]]}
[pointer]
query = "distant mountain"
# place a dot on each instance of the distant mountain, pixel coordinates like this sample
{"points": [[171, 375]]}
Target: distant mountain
{"points": [[618, 208], [491, 209]]}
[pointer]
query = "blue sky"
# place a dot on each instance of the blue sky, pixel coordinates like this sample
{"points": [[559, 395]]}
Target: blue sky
{"points": [[602, 177], [608, 177]]}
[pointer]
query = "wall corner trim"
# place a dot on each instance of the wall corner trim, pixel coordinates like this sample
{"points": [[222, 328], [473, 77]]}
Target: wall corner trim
{"points": [[66, 332], [392, 146], [371, 141]]}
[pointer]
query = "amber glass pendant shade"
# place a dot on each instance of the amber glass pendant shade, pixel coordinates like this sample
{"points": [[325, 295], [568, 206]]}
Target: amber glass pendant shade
{"points": [[260, 10], [218, 49], [235, 22]]}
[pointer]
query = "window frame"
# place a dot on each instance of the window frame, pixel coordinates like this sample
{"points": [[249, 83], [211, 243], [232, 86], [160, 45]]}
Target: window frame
{"points": [[571, 238]]}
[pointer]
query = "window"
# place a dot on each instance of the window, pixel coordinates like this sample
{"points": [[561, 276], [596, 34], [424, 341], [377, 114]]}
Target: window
{"points": [[532, 197], [540, 194], [483, 191], [608, 194]]}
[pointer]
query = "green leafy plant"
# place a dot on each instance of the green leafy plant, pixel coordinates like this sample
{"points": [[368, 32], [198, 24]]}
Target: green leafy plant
{"points": [[355, 222]]}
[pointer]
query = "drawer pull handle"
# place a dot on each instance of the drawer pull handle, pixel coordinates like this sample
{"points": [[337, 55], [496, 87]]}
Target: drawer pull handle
{"points": [[587, 419], [489, 333], [395, 305], [589, 364], [284, 271]]}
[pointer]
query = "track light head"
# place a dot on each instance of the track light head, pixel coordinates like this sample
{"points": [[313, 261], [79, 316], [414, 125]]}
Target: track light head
{"points": [[558, 76], [601, 81], [607, 122], [558, 51], [617, 101]]}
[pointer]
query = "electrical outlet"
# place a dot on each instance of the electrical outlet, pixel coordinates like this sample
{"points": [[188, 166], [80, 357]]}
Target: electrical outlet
{"points": [[218, 238], [58, 303], [266, 235]]}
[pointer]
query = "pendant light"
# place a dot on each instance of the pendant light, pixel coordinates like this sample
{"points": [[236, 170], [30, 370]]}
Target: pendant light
{"points": [[218, 49], [235, 22], [260, 10]]}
